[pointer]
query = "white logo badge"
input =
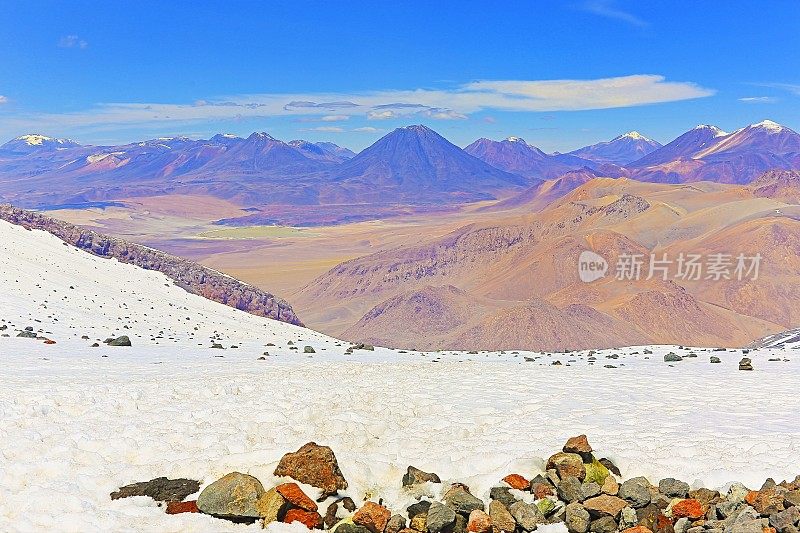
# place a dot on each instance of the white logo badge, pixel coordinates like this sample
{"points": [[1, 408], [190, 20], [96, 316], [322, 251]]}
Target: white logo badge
{"points": [[591, 266]]}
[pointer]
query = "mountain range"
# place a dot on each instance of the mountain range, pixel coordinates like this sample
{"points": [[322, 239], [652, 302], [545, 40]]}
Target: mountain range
{"points": [[413, 165]]}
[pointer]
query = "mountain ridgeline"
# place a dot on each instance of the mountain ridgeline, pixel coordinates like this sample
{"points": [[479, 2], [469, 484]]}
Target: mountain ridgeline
{"points": [[413, 165]]}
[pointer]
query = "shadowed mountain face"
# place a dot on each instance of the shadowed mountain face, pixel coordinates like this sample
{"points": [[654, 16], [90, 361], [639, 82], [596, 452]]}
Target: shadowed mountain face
{"points": [[620, 150], [417, 164], [517, 156]]}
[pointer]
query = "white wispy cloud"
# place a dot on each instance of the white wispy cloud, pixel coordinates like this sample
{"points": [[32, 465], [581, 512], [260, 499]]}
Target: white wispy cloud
{"points": [[328, 129], [72, 41], [367, 129], [3, 99], [789, 87], [609, 9], [439, 104], [758, 99]]}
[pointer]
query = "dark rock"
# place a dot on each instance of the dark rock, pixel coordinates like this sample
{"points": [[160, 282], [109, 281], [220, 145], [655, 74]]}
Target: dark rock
{"points": [[414, 476], [611, 466], [120, 341], [636, 491], [395, 524], [569, 490], [527, 516], [746, 364], [577, 518], [160, 489], [439, 517], [419, 508], [503, 495], [605, 524], [673, 488], [461, 501], [785, 519]]}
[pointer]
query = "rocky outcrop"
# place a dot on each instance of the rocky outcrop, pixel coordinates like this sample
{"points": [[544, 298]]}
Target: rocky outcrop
{"points": [[191, 276]]}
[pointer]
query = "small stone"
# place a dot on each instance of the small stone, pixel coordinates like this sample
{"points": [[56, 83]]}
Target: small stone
{"points": [[672, 357], [628, 518], [439, 517], [372, 516], [395, 524], [516, 481], [567, 464], [605, 524], [234, 495], [577, 518], [182, 507], [704, 496], [569, 490], [579, 445], [687, 508], [348, 503], [419, 523], [605, 505], [635, 490], [681, 525], [673, 488], [595, 472], [541, 490], [589, 490], [610, 486], [547, 506], [784, 520], [637, 529], [503, 495], [331, 519], [611, 466], [792, 498], [502, 521], [479, 522], [310, 519], [419, 508], [313, 465], [309, 349], [527, 516], [461, 501], [347, 526], [120, 341], [271, 506], [715, 359], [415, 476], [295, 495], [746, 364]]}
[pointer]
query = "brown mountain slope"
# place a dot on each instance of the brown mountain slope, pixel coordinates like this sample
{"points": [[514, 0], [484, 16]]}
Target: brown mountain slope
{"points": [[517, 275]]}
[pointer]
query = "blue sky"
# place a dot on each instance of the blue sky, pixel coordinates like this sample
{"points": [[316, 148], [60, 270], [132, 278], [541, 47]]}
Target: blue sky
{"points": [[558, 74]]}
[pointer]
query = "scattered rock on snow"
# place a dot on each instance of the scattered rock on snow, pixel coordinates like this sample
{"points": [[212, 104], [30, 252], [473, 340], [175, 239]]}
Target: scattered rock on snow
{"points": [[313, 465], [160, 489]]}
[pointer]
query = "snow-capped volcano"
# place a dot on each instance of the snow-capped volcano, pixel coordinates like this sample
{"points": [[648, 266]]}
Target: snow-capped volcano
{"points": [[515, 155], [620, 150], [36, 142]]}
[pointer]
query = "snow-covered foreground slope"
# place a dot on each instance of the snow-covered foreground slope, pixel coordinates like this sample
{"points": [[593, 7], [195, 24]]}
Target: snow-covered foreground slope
{"points": [[78, 422]]}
